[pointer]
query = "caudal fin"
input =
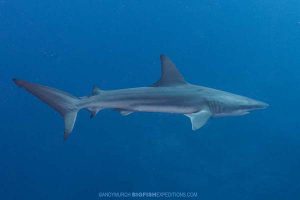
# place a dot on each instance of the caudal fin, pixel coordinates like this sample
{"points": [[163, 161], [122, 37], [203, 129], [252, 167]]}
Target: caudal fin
{"points": [[65, 104]]}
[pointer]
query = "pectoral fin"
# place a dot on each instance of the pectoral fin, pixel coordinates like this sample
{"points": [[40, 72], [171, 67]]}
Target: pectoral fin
{"points": [[199, 119]]}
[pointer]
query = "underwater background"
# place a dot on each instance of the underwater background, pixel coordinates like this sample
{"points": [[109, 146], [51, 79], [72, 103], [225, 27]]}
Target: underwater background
{"points": [[249, 48]]}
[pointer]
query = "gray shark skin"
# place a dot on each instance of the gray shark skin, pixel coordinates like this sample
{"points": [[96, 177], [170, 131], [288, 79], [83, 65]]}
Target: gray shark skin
{"points": [[170, 94]]}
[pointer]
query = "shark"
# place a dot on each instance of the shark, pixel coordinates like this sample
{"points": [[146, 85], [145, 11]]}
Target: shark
{"points": [[170, 94]]}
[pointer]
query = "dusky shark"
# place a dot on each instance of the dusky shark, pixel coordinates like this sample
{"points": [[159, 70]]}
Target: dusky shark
{"points": [[170, 94]]}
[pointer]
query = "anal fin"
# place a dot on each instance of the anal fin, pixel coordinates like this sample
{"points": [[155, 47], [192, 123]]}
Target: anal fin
{"points": [[124, 112]]}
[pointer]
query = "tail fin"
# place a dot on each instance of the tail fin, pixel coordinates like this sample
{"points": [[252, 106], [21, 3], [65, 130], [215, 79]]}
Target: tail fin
{"points": [[65, 104]]}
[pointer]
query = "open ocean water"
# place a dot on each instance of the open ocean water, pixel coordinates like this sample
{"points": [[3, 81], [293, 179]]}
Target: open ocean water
{"points": [[250, 48]]}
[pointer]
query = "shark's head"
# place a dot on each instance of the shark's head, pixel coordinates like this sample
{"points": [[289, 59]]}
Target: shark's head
{"points": [[234, 105]]}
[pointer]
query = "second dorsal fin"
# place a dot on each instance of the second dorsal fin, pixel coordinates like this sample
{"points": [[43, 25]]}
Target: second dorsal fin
{"points": [[170, 75], [96, 90]]}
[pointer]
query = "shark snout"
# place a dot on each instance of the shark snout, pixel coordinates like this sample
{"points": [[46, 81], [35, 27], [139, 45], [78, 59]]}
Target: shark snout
{"points": [[262, 105], [255, 105]]}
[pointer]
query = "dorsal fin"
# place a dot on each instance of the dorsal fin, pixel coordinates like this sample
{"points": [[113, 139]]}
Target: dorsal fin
{"points": [[170, 76]]}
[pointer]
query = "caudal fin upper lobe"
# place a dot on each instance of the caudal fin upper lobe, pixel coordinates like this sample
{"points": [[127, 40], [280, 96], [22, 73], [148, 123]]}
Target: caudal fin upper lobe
{"points": [[65, 104]]}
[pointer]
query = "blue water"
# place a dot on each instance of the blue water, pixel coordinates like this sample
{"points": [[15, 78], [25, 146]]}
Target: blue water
{"points": [[250, 48]]}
